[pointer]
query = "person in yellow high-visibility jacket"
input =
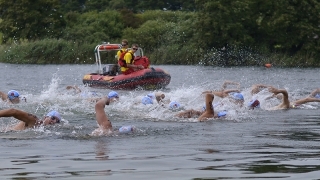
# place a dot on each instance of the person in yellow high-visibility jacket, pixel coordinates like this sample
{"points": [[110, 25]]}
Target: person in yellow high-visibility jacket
{"points": [[126, 63]]}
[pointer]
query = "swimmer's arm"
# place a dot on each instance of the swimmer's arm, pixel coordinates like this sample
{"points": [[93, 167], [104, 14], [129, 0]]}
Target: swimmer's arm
{"points": [[278, 96], [205, 92], [285, 97], [226, 92], [189, 113], [224, 85], [231, 90], [209, 112], [93, 100], [314, 92], [101, 116], [256, 88], [76, 88], [220, 94], [3, 96], [262, 85], [306, 100], [23, 116]]}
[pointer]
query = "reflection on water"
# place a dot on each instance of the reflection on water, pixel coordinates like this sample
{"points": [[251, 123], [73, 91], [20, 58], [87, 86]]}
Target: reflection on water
{"points": [[101, 150], [255, 144], [260, 168]]}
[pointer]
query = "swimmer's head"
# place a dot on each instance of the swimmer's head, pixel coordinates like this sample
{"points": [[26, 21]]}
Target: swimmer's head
{"points": [[54, 115], [126, 129], [237, 96], [113, 94], [146, 100], [159, 95], [151, 95], [255, 103], [317, 96], [12, 94], [174, 105], [222, 114]]}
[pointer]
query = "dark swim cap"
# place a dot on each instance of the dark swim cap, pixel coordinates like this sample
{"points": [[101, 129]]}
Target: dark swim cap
{"points": [[255, 103]]}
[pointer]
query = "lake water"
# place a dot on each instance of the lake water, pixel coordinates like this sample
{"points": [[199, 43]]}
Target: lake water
{"points": [[247, 144]]}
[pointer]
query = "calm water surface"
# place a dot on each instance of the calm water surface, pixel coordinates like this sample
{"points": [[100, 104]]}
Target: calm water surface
{"points": [[257, 144]]}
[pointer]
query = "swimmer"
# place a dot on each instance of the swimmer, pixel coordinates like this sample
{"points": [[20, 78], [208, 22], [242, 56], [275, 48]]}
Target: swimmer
{"points": [[29, 120], [256, 88], [91, 96], [75, 88], [233, 94], [158, 96], [285, 104], [205, 114], [223, 93], [174, 105], [315, 93], [12, 97], [191, 113], [105, 126], [209, 112], [236, 98], [313, 97]]}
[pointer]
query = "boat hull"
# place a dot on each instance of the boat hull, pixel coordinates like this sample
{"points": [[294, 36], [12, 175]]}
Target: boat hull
{"points": [[152, 78]]}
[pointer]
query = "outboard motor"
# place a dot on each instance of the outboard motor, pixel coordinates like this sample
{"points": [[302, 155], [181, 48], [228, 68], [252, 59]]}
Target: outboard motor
{"points": [[111, 70]]}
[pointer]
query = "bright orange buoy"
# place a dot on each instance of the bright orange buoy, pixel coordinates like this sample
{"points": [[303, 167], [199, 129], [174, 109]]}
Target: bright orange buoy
{"points": [[268, 65]]}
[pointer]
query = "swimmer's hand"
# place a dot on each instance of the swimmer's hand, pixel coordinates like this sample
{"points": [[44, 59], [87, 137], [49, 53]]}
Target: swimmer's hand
{"points": [[69, 87], [24, 99]]}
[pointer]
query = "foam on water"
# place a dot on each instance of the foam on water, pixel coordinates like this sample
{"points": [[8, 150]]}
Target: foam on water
{"points": [[53, 96]]}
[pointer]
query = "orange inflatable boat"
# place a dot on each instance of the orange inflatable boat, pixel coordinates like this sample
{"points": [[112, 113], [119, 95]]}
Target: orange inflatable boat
{"points": [[109, 75]]}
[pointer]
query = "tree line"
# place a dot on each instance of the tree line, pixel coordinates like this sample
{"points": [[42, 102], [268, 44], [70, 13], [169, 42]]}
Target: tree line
{"points": [[189, 32]]}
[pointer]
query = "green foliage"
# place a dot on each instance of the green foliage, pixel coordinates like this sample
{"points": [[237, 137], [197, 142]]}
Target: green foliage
{"points": [[133, 5], [166, 37], [220, 32], [172, 5], [34, 20], [93, 26], [118, 4], [130, 19], [292, 25], [72, 6], [170, 16], [225, 22]]}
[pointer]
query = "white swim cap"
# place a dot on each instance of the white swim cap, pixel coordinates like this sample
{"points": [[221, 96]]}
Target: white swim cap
{"points": [[146, 100], [13, 94], [126, 129], [55, 114], [174, 105], [222, 113], [113, 94]]}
